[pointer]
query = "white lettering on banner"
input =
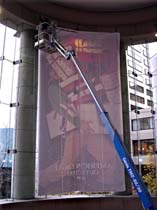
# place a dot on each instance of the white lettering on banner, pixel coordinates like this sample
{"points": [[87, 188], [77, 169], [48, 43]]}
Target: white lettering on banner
{"points": [[136, 184]]}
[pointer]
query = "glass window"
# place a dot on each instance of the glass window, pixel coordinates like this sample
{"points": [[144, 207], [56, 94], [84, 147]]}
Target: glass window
{"points": [[140, 89], [149, 93], [135, 148], [2, 38], [135, 125], [145, 147], [142, 124], [150, 103], [151, 122], [132, 97], [8, 94], [10, 41], [140, 100], [135, 108], [136, 87], [148, 82]]}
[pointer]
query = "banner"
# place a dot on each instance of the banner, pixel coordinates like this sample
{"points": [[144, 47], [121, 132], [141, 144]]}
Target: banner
{"points": [[75, 151]]}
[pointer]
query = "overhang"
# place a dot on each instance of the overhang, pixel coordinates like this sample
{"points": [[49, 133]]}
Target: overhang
{"points": [[136, 20]]}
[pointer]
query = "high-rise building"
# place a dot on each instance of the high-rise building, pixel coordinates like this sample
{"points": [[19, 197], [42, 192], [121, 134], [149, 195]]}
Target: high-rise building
{"points": [[139, 77], [141, 106]]}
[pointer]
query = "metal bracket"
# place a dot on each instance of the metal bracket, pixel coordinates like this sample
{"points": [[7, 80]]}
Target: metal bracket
{"points": [[17, 62], [14, 104]]}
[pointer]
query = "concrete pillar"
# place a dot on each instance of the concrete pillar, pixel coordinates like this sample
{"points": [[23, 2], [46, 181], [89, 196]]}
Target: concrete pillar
{"points": [[125, 109], [23, 175]]}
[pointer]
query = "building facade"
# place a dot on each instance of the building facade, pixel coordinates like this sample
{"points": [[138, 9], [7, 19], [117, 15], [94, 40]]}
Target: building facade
{"points": [[141, 108]]}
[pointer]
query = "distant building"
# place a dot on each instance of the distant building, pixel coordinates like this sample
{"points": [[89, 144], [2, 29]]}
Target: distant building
{"points": [[154, 87], [6, 144], [139, 77], [142, 136], [141, 105]]}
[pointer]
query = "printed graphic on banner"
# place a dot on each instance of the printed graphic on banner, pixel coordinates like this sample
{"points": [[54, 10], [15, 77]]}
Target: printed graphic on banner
{"points": [[75, 150]]}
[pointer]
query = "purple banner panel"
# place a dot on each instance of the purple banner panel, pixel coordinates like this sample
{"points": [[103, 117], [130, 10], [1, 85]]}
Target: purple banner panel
{"points": [[75, 150]]}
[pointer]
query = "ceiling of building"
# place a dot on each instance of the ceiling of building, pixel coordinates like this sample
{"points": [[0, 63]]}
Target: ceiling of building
{"points": [[104, 5], [132, 18]]}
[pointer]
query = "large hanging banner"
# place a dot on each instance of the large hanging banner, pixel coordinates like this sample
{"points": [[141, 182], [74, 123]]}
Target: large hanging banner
{"points": [[75, 150]]}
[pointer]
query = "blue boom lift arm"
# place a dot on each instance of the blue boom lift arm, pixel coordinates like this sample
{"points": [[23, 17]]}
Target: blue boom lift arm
{"points": [[125, 157]]}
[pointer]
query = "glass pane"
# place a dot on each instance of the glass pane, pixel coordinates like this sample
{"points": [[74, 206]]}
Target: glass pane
{"points": [[2, 32], [6, 83], [8, 92], [9, 44], [135, 148], [135, 125], [5, 115]]}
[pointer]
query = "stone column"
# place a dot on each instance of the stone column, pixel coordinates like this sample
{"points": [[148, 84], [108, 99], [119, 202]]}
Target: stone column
{"points": [[23, 174]]}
